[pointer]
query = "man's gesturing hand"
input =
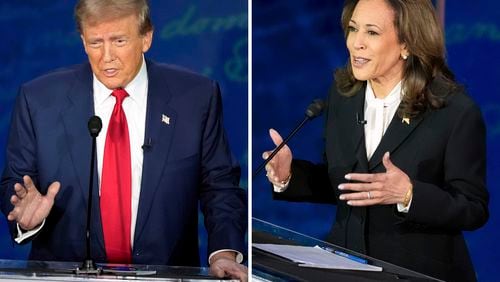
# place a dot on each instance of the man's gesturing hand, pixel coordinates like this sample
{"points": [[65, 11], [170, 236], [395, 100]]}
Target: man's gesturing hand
{"points": [[31, 207]]}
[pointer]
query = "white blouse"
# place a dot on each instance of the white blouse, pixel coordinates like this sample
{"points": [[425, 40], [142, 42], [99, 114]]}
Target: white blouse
{"points": [[378, 115]]}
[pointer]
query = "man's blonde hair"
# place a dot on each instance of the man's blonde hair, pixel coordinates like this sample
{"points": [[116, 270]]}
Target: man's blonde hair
{"points": [[94, 11]]}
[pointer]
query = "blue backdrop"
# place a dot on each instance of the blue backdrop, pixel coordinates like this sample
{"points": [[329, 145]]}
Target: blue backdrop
{"points": [[39, 36], [296, 47]]}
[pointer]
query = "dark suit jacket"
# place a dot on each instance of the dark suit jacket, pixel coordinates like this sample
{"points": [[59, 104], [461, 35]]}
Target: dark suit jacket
{"points": [[442, 151], [188, 163]]}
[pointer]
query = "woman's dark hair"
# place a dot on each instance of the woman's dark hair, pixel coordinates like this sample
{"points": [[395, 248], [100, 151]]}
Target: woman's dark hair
{"points": [[417, 26]]}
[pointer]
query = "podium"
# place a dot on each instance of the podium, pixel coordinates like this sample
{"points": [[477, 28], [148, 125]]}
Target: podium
{"points": [[269, 267], [16, 270]]}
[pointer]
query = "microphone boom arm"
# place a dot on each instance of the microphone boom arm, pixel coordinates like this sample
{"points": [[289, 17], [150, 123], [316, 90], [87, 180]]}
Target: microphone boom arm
{"points": [[275, 151], [313, 110]]}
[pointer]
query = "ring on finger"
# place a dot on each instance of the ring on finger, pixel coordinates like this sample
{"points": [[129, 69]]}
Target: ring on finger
{"points": [[369, 195]]}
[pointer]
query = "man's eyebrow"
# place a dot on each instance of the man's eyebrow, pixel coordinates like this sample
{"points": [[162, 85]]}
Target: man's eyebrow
{"points": [[120, 36], [95, 39]]}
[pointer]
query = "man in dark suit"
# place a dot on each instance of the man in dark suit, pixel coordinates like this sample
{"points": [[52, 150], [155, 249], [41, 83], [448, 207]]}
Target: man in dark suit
{"points": [[162, 151]]}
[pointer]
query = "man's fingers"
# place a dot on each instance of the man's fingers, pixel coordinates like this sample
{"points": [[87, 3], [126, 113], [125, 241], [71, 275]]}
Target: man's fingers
{"points": [[28, 183], [30, 207], [11, 216], [20, 190], [227, 268], [217, 271], [277, 139], [53, 189], [237, 271], [15, 214], [14, 200]]}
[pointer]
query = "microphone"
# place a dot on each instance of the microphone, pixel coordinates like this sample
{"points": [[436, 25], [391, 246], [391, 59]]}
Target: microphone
{"points": [[315, 109], [95, 126], [88, 266], [148, 145], [360, 120]]}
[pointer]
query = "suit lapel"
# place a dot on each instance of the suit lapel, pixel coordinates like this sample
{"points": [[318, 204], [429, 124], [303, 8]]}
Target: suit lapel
{"points": [[396, 133], [355, 112], [160, 127], [77, 111]]}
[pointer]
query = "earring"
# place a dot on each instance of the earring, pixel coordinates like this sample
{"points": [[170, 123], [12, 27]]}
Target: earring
{"points": [[405, 57]]}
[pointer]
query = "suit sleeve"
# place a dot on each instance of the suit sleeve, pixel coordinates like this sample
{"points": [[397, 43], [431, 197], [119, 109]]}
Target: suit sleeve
{"points": [[20, 156], [223, 202], [309, 183], [462, 202]]}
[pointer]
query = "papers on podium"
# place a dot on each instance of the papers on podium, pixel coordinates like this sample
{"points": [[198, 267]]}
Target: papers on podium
{"points": [[315, 257]]}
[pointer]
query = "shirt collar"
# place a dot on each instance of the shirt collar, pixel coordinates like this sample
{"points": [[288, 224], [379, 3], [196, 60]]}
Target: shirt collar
{"points": [[134, 88], [394, 96]]}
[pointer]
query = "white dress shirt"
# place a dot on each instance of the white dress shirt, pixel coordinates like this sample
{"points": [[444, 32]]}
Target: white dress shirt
{"points": [[378, 115]]}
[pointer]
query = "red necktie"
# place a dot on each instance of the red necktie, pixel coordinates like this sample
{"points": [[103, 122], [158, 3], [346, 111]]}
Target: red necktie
{"points": [[116, 185]]}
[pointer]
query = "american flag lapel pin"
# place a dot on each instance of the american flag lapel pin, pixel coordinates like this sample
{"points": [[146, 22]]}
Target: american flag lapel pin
{"points": [[165, 119]]}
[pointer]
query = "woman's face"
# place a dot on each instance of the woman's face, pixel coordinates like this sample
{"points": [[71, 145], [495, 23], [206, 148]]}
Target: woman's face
{"points": [[372, 40]]}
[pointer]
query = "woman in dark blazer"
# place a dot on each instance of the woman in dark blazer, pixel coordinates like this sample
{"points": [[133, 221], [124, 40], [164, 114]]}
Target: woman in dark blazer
{"points": [[405, 153]]}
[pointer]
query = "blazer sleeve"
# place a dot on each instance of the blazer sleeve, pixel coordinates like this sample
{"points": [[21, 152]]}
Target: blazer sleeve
{"points": [[20, 156], [309, 183], [461, 203], [223, 202]]}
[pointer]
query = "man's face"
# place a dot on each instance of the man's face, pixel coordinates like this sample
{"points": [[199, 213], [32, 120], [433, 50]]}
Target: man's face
{"points": [[114, 48]]}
